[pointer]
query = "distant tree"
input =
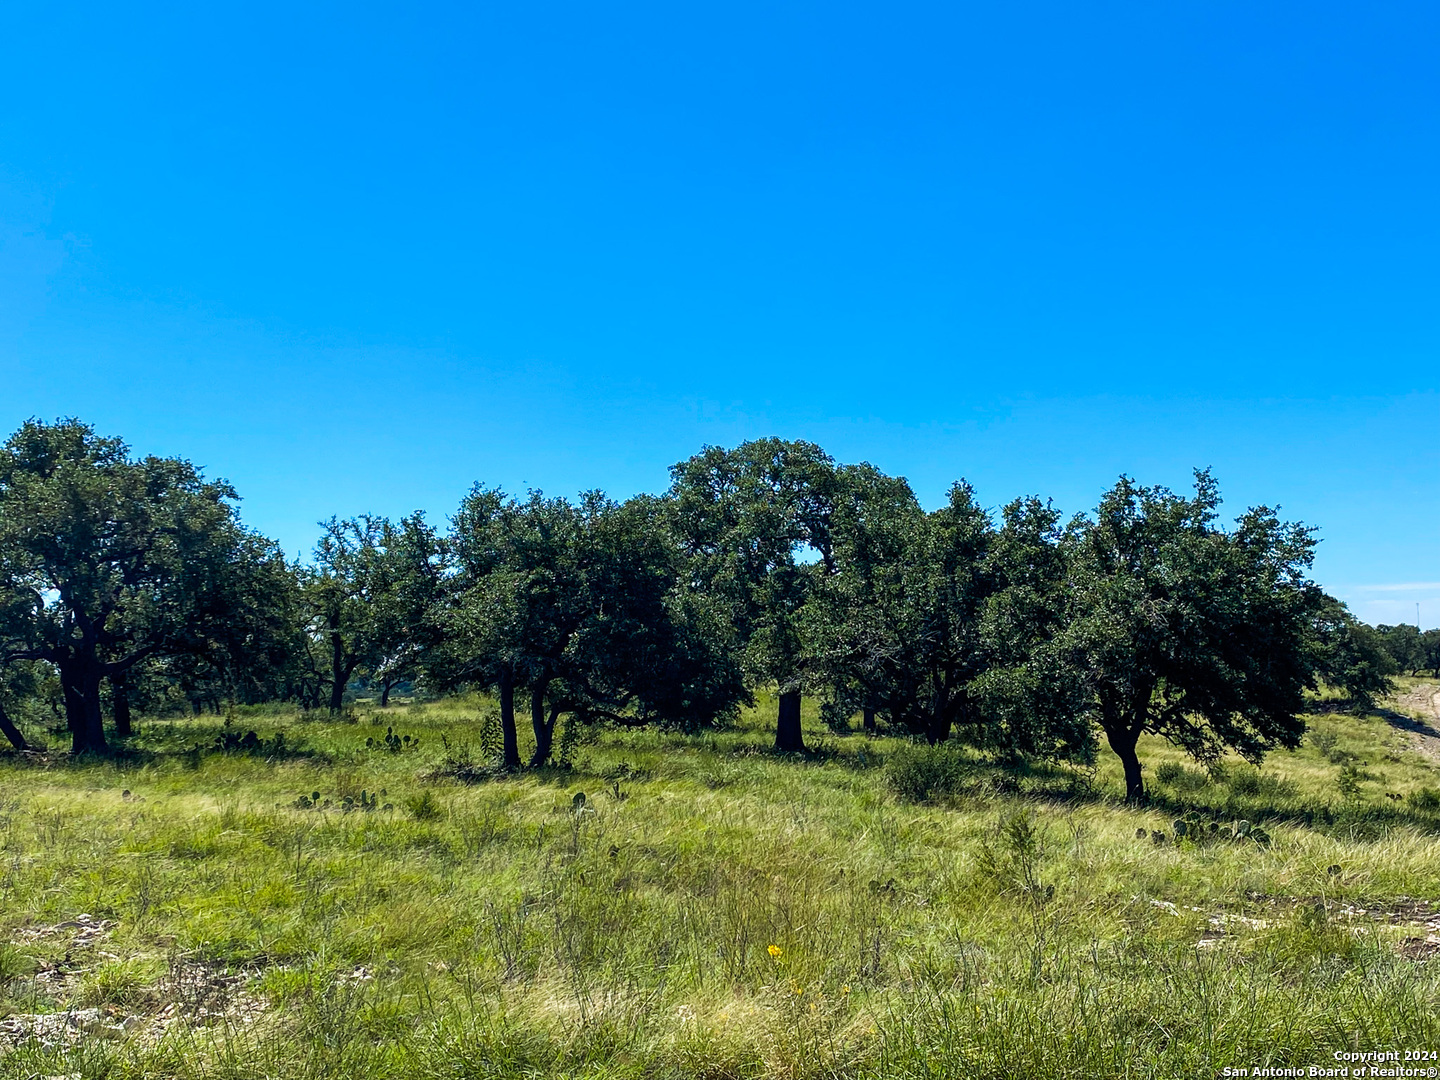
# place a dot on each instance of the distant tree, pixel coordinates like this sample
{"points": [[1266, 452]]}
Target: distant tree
{"points": [[105, 561], [1430, 657], [1405, 645], [407, 580], [1179, 628], [586, 607], [748, 519], [949, 584], [1348, 655], [856, 625], [343, 592], [1029, 700]]}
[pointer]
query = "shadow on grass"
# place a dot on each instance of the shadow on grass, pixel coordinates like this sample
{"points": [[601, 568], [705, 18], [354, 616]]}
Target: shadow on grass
{"points": [[191, 745], [1411, 724], [949, 774], [1356, 820]]}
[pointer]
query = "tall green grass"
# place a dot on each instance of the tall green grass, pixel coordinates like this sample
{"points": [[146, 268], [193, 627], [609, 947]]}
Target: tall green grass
{"points": [[873, 909]]}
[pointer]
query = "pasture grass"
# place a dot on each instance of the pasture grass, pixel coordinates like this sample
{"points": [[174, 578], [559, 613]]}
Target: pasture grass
{"points": [[306, 905]]}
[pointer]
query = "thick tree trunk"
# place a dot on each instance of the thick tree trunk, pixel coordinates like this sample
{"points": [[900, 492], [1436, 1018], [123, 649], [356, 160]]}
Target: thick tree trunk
{"points": [[543, 727], [507, 720], [787, 723], [870, 721], [120, 702], [385, 694], [80, 683], [11, 732], [1123, 742]]}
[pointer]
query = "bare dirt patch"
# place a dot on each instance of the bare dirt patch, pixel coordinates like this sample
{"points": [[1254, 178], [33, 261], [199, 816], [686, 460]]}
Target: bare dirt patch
{"points": [[190, 993], [1418, 715]]}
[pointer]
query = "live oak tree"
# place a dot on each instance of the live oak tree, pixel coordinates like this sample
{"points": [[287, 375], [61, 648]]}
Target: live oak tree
{"points": [[1350, 656], [345, 594], [1029, 701], [519, 600], [898, 617], [748, 518], [407, 575], [856, 624], [1177, 627], [1412, 651], [105, 561], [587, 610], [948, 585], [249, 645]]}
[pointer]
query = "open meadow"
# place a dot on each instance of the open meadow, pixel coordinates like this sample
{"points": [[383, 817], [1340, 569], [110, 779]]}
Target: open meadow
{"points": [[367, 898]]}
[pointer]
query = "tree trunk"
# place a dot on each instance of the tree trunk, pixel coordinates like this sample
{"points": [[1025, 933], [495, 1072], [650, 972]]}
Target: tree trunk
{"points": [[1123, 743], [341, 668], [385, 694], [507, 720], [11, 732], [870, 721], [120, 701], [787, 723], [544, 728], [80, 683]]}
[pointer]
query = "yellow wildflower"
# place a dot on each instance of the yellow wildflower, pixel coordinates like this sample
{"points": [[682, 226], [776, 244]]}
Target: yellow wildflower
{"points": [[775, 951]]}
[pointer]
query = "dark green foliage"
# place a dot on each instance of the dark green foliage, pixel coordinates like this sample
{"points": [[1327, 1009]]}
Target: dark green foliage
{"points": [[921, 773], [1349, 655], [129, 585], [107, 562], [1411, 651], [744, 518], [1182, 629], [1182, 777], [591, 608]]}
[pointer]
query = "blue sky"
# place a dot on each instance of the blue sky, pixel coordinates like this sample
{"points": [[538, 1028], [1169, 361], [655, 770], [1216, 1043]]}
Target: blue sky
{"points": [[357, 258]]}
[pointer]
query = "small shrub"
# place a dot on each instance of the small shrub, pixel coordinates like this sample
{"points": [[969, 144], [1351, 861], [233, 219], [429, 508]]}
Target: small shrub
{"points": [[423, 807], [1181, 777], [1348, 782], [1254, 784], [460, 764], [924, 773], [1012, 857], [1426, 799]]}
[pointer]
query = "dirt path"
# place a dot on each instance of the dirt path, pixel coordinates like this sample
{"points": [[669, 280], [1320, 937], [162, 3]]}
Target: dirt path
{"points": [[1419, 717]]}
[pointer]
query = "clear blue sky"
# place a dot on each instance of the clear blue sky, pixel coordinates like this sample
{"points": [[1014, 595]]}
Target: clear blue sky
{"points": [[356, 258]]}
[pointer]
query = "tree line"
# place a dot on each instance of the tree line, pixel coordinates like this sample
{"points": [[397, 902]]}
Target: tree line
{"points": [[130, 583]]}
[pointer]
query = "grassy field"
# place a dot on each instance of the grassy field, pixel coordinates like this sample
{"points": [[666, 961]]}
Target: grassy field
{"points": [[359, 899]]}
